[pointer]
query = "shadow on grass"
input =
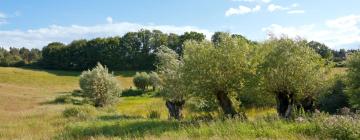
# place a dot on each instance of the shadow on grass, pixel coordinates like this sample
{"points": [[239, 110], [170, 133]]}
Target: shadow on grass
{"points": [[76, 73], [118, 117], [125, 129], [55, 72]]}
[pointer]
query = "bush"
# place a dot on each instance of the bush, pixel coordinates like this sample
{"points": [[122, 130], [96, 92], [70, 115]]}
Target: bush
{"points": [[131, 92], [339, 127], [141, 80], [153, 114], [63, 99], [80, 112], [99, 86]]}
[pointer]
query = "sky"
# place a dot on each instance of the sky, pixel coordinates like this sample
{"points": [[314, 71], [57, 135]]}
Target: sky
{"points": [[34, 24]]}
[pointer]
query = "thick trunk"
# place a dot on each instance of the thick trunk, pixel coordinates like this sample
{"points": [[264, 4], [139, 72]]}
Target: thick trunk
{"points": [[285, 104], [175, 108], [226, 104]]}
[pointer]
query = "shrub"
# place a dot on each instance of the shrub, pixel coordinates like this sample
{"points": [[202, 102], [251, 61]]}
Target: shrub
{"points": [[131, 92], [141, 80], [339, 127], [80, 112], [99, 86], [153, 114]]}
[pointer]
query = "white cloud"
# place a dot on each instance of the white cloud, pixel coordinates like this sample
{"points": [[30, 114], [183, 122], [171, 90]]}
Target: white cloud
{"points": [[242, 10], [109, 20], [296, 12], [290, 9], [274, 7], [37, 38], [336, 33], [3, 18]]}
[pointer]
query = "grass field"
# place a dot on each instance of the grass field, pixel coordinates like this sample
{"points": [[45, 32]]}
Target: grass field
{"points": [[25, 113]]}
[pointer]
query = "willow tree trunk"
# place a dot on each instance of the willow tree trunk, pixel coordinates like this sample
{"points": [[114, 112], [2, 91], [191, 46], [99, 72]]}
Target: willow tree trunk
{"points": [[226, 104], [175, 108], [285, 103]]}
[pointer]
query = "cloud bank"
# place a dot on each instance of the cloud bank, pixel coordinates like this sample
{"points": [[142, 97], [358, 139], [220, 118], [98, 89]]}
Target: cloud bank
{"points": [[38, 38], [343, 32]]}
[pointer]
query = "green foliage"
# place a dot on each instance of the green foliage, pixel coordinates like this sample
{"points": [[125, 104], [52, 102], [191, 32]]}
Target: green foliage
{"points": [[291, 66], [133, 51], [338, 127], [168, 67], [353, 77], [18, 57], [141, 80], [99, 86], [324, 51], [292, 72], [218, 70], [131, 92], [154, 80], [80, 112]]}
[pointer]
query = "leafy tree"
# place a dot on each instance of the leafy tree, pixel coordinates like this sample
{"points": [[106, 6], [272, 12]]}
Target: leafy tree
{"points": [[321, 49], [292, 71], [217, 71], [172, 85], [53, 56], [353, 76], [141, 80], [100, 86]]}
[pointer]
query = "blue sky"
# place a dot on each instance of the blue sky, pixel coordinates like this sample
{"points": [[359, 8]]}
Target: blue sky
{"points": [[35, 23]]}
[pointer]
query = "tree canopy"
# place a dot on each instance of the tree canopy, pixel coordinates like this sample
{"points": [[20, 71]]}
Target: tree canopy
{"points": [[291, 71]]}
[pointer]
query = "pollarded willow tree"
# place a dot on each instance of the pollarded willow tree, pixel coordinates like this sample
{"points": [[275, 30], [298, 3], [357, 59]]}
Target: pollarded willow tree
{"points": [[171, 81], [291, 71], [99, 85], [218, 70], [353, 64]]}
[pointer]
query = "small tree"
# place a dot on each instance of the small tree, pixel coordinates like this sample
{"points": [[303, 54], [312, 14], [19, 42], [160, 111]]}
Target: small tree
{"points": [[291, 71], [141, 80], [172, 86], [100, 86], [353, 75], [154, 80]]}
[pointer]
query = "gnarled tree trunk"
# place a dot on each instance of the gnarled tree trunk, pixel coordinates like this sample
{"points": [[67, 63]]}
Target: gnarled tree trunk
{"points": [[225, 103], [285, 103], [175, 108]]}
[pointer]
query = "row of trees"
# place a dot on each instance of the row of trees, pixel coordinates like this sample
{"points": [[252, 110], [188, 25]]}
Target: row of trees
{"points": [[223, 70], [19, 57], [133, 51]]}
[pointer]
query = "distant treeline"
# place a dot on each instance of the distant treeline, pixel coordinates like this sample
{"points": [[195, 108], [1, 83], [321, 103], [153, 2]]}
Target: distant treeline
{"points": [[133, 51]]}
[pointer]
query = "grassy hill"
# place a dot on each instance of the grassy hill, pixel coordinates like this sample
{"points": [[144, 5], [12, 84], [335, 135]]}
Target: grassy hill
{"points": [[24, 92]]}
